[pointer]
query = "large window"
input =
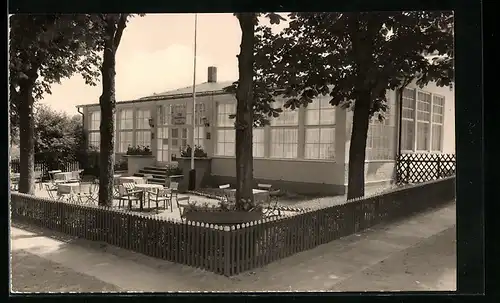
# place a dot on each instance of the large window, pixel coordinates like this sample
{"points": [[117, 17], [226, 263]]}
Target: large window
{"points": [[225, 130], [408, 120], [320, 130], [199, 136], [125, 129], [94, 134], [380, 142], [422, 121], [95, 120], [258, 145], [143, 130], [437, 123], [285, 133]]}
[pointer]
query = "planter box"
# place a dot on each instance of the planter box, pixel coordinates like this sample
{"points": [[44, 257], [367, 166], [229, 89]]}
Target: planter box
{"points": [[223, 217], [203, 167], [138, 162]]}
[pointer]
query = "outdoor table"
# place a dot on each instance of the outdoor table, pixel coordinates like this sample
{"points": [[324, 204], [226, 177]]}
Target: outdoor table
{"points": [[144, 187], [136, 180], [68, 189], [66, 176], [259, 195]]}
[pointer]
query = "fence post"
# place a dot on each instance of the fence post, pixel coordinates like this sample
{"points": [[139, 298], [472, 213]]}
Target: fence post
{"points": [[439, 167], [227, 251]]}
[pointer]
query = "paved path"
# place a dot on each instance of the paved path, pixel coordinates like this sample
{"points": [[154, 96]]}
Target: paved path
{"points": [[404, 252]]}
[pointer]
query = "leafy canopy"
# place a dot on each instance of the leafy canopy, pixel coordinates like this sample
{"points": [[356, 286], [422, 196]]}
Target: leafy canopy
{"points": [[342, 54]]}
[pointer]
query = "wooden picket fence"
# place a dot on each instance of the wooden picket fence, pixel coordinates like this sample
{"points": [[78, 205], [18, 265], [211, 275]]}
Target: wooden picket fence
{"points": [[44, 168], [229, 250], [418, 168]]}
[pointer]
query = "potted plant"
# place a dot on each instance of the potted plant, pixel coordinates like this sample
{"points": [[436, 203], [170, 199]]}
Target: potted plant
{"points": [[138, 157]]}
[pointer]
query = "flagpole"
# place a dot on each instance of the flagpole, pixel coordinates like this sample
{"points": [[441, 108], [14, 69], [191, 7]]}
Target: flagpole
{"points": [[192, 173]]}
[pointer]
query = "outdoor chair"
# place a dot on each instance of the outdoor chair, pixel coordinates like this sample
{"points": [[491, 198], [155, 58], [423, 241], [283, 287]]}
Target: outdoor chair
{"points": [[130, 194], [38, 178], [273, 200], [224, 192], [174, 189], [88, 193], [75, 176], [50, 192], [14, 184], [161, 194], [182, 202]]}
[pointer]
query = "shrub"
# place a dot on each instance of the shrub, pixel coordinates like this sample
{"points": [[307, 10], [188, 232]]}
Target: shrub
{"points": [[121, 164], [139, 150], [173, 170], [198, 152]]}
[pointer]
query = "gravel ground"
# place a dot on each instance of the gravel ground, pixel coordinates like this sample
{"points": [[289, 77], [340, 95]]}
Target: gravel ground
{"points": [[31, 273]]}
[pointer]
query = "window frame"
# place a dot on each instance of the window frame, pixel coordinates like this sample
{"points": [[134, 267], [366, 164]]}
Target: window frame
{"points": [[415, 122]]}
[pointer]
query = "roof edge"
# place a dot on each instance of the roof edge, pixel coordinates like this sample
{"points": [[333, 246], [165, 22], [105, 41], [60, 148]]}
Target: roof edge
{"points": [[159, 98]]}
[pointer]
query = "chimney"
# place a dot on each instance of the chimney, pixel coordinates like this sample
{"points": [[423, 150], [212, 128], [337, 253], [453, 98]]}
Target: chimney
{"points": [[212, 74]]}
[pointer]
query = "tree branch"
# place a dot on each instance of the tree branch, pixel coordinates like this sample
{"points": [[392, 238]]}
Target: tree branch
{"points": [[122, 23]]}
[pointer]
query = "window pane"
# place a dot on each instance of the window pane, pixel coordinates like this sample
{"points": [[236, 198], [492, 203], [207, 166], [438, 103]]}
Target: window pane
{"points": [[142, 118], [223, 112], [422, 136], [327, 135], [286, 117], [126, 121], [408, 135], [143, 138], [312, 135], [312, 117], [284, 143], [437, 137], [327, 116]]}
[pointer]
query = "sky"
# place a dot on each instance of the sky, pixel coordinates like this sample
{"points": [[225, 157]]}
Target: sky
{"points": [[156, 55]]}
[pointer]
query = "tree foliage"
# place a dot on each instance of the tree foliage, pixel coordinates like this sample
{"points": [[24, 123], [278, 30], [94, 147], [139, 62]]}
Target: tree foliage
{"points": [[43, 50], [354, 58], [58, 137]]}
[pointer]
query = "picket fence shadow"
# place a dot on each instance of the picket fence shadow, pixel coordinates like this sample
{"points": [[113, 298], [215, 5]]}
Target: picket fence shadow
{"points": [[229, 250]]}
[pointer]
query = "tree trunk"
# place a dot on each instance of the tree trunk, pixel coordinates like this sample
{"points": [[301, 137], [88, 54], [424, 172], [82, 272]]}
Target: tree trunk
{"points": [[27, 137], [244, 115], [357, 150], [107, 103]]}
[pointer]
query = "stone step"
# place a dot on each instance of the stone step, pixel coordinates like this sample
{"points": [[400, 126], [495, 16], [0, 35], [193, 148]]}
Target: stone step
{"points": [[155, 180], [152, 172], [155, 168]]}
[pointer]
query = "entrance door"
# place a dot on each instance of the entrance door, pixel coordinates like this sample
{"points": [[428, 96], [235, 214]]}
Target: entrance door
{"points": [[162, 150], [178, 140]]}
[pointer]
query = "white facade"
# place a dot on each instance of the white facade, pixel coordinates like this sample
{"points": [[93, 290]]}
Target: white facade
{"points": [[308, 145]]}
